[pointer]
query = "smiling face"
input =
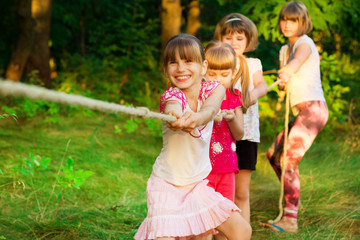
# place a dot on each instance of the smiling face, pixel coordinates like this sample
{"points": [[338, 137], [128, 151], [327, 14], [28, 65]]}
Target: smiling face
{"points": [[238, 42], [185, 73], [289, 27]]}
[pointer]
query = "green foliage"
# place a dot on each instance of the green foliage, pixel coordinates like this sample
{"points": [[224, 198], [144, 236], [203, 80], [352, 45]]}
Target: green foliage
{"points": [[70, 178], [112, 202], [5, 115], [136, 124], [121, 60], [131, 125], [27, 108], [121, 52], [154, 126], [27, 167], [333, 89]]}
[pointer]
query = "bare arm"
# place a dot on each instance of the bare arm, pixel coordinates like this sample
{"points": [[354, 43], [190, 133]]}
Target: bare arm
{"points": [[235, 121], [173, 108], [302, 53], [260, 87], [190, 120]]}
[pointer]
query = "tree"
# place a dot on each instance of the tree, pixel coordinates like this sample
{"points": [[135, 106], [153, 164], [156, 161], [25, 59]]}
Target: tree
{"points": [[40, 55], [25, 41], [170, 19], [32, 50], [193, 21]]}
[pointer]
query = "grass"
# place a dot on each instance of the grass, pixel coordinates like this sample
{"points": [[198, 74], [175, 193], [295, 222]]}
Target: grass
{"points": [[111, 204]]}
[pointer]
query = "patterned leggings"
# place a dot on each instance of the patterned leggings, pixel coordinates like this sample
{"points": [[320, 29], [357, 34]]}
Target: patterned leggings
{"points": [[303, 129]]}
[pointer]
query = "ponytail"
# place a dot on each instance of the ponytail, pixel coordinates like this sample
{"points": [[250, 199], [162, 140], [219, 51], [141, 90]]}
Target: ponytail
{"points": [[243, 75]]}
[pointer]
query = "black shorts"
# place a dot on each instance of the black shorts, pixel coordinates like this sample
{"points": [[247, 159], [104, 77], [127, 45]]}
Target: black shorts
{"points": [[246, 152]]}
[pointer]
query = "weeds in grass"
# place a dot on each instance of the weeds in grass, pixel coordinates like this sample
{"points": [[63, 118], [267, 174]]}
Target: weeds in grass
{"points": [[112, 202]]}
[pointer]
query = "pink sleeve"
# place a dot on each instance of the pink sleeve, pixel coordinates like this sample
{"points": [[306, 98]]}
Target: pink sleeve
{"points": [[207, 88], [172, 94]]}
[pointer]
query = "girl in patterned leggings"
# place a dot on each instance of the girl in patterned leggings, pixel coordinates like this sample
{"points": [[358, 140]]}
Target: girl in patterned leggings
{"points": [[300, 72]]}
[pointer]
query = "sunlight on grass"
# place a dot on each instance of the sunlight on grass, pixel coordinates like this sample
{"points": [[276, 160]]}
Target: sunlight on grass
{"points": [[112, 203]]}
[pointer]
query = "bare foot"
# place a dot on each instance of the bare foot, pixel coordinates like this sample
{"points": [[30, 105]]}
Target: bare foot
{"points": [[284, 225]]}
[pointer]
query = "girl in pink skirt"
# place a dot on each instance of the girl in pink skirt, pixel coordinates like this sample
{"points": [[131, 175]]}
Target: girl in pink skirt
{"points": [[180, 204]]}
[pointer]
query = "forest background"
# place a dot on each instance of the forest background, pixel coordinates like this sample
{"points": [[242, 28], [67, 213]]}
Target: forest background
{"points": [[111, 50]]}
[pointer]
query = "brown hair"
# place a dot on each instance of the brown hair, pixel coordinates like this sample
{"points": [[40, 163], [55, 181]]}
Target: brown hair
{"points": [[221, 56], [236, 22], [186, 45], [296, 11]]}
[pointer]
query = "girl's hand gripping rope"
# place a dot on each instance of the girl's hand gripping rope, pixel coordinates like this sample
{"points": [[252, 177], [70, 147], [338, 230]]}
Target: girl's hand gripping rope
{"points": [[285, 74], [228, 115]]}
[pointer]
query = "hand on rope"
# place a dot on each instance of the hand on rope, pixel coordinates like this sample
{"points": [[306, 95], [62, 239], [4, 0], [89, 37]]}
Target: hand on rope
{"points": [[284, 76]]}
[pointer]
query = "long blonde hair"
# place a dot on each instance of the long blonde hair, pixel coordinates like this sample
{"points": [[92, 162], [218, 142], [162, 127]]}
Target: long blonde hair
{"points": [[221, 56]]}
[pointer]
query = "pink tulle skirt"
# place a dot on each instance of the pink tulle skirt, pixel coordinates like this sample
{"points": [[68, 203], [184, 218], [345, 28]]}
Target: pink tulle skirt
{"points": [[182, 212]]}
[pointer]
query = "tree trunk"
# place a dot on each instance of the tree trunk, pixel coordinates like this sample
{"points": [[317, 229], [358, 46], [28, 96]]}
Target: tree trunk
{"points": [[193, 22], [82, 33], [170, 19], [40, 55], [22, 51]]}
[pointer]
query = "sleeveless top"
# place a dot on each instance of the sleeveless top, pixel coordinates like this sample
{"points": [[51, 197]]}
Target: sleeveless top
{"points": [[222, 146], [305, 84]]}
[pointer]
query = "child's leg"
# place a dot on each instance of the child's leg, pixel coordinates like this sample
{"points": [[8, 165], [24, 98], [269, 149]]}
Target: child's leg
{"points": [[220, 236], [242, 192], [311, 119], [208, 237], [235, 227], [276, 149], [309, 122]]}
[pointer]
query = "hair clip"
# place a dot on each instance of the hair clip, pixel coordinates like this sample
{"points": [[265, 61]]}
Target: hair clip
{"points": [[233, 19]]}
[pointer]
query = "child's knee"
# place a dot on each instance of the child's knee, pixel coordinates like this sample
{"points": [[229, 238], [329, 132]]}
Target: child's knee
{"points": [[241, 227], [242, 196], [247, 231]]}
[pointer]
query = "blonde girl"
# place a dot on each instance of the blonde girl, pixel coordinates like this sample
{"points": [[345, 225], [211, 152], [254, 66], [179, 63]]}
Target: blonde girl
{"points": [[300, 72], [180, 204], [221, 60], [240, 32]]}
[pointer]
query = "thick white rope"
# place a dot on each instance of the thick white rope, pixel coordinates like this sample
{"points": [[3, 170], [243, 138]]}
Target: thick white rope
{"points": [[11, 88], [274, 84]]}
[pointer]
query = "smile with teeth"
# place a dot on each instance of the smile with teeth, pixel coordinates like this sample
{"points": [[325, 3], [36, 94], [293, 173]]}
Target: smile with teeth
{"points": [[183, 78]]}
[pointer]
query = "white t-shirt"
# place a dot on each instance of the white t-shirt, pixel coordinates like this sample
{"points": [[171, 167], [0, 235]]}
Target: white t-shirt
{"points": [[251, 118], [305, 84], [184, 158]]}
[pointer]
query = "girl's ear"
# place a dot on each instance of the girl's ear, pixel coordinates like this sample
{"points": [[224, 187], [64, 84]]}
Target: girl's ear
{"points": [[204, 67]]}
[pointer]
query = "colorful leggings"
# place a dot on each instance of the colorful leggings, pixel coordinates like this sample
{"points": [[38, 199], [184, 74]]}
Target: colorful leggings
{"points": [[303, 129]]}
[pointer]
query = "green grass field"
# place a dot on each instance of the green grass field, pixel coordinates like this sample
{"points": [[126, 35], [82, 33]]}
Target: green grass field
{"points": [[112, 203]]}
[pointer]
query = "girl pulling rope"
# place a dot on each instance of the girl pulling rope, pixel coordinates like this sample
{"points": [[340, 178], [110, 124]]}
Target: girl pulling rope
{"points": [[300, 75]]}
